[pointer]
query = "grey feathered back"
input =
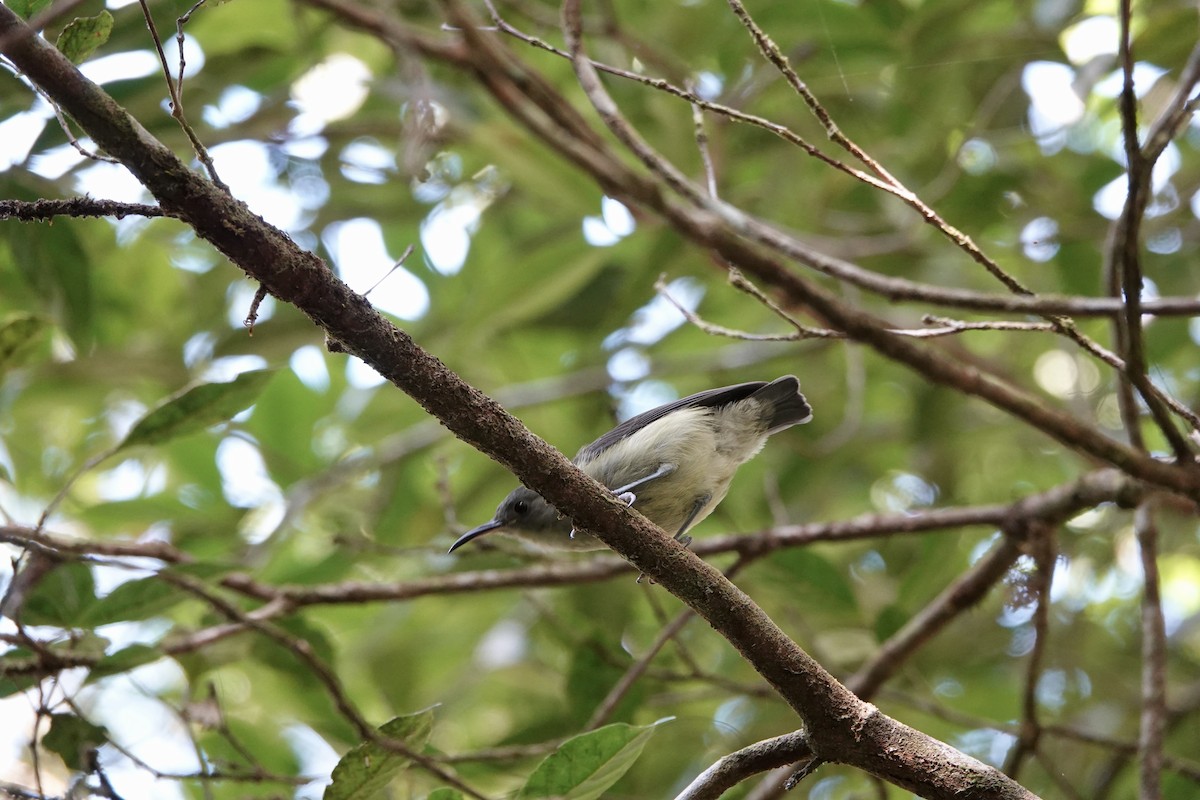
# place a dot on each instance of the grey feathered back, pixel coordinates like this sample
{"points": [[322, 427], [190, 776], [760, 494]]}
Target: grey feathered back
{"points": [[790, 408]]}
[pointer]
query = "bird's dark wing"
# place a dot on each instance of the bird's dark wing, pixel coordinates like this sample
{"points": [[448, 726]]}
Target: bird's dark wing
{"points": [[713, 398]]}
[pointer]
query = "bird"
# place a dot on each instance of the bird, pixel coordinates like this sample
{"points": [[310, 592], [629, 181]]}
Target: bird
{"points": [[673, 463]]}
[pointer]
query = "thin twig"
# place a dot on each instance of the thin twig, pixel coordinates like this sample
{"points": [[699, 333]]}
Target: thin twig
{"points": [[696, 101], [399, 263], [175, 89], [773, 54], [65, 126], [63, 490], [710, 172], [260, 294], [1154, 659], [503, 754], [617, 693], [946, 326], [802, 331], [1176, 112], [181, 21]]}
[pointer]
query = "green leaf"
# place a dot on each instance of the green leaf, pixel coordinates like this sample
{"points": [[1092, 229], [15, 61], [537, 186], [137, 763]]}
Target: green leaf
{"points": [[72, 738], [890, 619], [282, 659], [591, 677], [368, 768], [62, 597], [814, 575], [123, 661], [133, 600], [27, 8], [83, 35], [584, 767], [59, 267], [12, 682], [565, 287], [20, 334], [444, 793], [198, 408]]}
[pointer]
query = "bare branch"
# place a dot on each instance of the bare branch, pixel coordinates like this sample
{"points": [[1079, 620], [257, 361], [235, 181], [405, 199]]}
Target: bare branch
{"points": [[46, 210], [734, 768], [1154, 659], [1050, 506], [710, 171], [1177, 111], [1125, 267], [802, 331]]}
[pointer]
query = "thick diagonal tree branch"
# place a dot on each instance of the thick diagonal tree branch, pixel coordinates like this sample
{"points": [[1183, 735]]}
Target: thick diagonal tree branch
{"points": [[841, 728]]}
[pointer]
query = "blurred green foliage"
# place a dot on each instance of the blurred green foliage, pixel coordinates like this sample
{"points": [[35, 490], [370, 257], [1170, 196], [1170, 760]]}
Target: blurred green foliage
{"points": [[330, 476]]}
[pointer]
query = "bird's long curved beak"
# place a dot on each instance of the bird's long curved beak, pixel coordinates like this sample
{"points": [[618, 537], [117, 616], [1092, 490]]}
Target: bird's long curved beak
{"points": [[475, 533]]}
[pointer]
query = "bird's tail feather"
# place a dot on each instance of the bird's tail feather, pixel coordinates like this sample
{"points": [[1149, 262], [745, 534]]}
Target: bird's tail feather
{"points": [[788, 407]]}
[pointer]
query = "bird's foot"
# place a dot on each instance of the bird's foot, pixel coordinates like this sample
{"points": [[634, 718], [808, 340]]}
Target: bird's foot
{"points": [[628, 498]]}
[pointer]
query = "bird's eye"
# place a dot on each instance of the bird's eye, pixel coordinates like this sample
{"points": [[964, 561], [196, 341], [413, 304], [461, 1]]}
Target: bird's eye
{"points": [[520, 506]]}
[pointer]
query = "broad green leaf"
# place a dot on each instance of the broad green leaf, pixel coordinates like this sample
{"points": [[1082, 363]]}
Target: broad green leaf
{"points": [[584, 767], [123, 660], [62, 597], [444, 793], [58, 264], [83, 35], [814, 575], [28, 8], [20, 334], [269, 652], [554, 291], [198, 408], [287, 406], [133, 600], [591, 678], [72, 738], [368, 768], [13, 675], [889, 620], [243, 27]]}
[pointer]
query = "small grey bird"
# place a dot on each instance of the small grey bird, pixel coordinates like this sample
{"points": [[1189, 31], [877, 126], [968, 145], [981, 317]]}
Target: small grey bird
{"points": [[673, 463]]}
